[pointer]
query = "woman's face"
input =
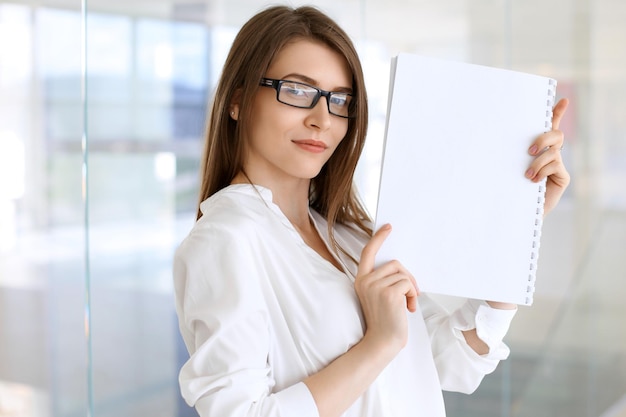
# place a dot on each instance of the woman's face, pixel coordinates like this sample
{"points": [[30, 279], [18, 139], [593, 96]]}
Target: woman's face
{"points": [[285, 142]]}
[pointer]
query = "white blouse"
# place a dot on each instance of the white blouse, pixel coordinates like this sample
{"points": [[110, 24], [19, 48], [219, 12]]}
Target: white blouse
{"points": [[259, 311]]}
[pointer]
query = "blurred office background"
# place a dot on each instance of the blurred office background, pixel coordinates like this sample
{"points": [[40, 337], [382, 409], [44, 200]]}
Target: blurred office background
{"points": [[102, 110]]}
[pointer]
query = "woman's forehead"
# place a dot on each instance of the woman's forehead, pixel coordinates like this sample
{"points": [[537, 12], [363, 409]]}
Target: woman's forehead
{"points": [[315, 60]]}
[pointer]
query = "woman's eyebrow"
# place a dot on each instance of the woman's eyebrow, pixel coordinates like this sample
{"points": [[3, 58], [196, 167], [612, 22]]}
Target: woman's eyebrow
{"points": [[311, 81]]}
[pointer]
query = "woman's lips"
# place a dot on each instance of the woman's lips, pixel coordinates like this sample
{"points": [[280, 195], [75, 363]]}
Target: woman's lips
{"points": [[311, 145]]}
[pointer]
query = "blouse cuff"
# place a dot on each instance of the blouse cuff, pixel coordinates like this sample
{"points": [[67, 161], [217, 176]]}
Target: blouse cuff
{"points": [[297, 400], [491, 325]]}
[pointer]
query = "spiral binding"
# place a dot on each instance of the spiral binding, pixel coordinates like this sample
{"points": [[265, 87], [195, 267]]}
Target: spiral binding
{"points": [[541, 191], [550, 103]]}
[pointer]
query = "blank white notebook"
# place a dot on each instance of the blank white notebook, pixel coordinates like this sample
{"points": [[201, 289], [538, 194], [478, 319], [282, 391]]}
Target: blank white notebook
{"points": [[466, 222]]}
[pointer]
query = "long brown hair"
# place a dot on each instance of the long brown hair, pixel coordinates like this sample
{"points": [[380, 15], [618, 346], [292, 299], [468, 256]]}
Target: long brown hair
{"points": [[332, 192]]}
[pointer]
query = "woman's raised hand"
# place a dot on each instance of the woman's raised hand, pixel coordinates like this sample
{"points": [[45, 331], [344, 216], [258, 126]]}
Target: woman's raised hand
{"points": [[548, 161], [385, 293]]}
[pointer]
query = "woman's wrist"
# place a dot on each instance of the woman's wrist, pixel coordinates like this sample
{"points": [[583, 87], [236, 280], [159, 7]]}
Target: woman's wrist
{"points": [[380, 348], [502, 306]]}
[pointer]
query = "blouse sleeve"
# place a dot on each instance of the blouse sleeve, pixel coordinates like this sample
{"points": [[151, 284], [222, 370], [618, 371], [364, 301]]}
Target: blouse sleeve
{"points": [[224, 322], [459, 367]]}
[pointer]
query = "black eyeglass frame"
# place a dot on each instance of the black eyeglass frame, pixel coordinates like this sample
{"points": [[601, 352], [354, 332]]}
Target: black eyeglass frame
{"points": [[276, 84]]}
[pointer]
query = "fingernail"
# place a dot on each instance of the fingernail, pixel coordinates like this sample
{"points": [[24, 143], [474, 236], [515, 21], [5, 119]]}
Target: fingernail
{"points": [[533, 149], [529, 173]]}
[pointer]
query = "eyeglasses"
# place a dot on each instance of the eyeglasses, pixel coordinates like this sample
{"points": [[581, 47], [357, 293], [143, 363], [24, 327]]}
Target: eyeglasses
{"points": [[306, 96]]}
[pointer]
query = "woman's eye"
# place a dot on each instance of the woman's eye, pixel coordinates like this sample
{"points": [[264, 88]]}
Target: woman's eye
{"points": [[339, 100], [295, 90]]}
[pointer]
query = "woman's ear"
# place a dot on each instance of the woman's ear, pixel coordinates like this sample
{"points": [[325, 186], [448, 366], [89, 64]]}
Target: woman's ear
{"points": [[233, 109]]}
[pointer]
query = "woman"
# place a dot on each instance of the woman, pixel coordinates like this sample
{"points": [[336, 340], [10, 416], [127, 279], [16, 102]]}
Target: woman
{"points": [[278, 299]]}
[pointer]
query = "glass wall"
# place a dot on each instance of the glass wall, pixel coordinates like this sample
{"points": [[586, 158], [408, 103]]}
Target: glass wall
{"points": [[102, 112], [43, 348], [148, 83]]}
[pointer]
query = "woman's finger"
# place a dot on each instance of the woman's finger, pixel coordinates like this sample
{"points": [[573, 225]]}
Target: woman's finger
{"points": [[401, 282], [411, 293], [547, 157], [549, 140], [368, 255], [554, 137], [558, 112], [555, 170]]}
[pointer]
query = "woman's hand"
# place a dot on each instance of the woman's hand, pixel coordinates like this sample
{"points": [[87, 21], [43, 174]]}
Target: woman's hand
{"points": [[548, 162], [385, 293]]}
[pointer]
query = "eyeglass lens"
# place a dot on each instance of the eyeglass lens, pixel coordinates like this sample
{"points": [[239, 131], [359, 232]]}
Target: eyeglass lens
{"points": [[306, 96]]}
